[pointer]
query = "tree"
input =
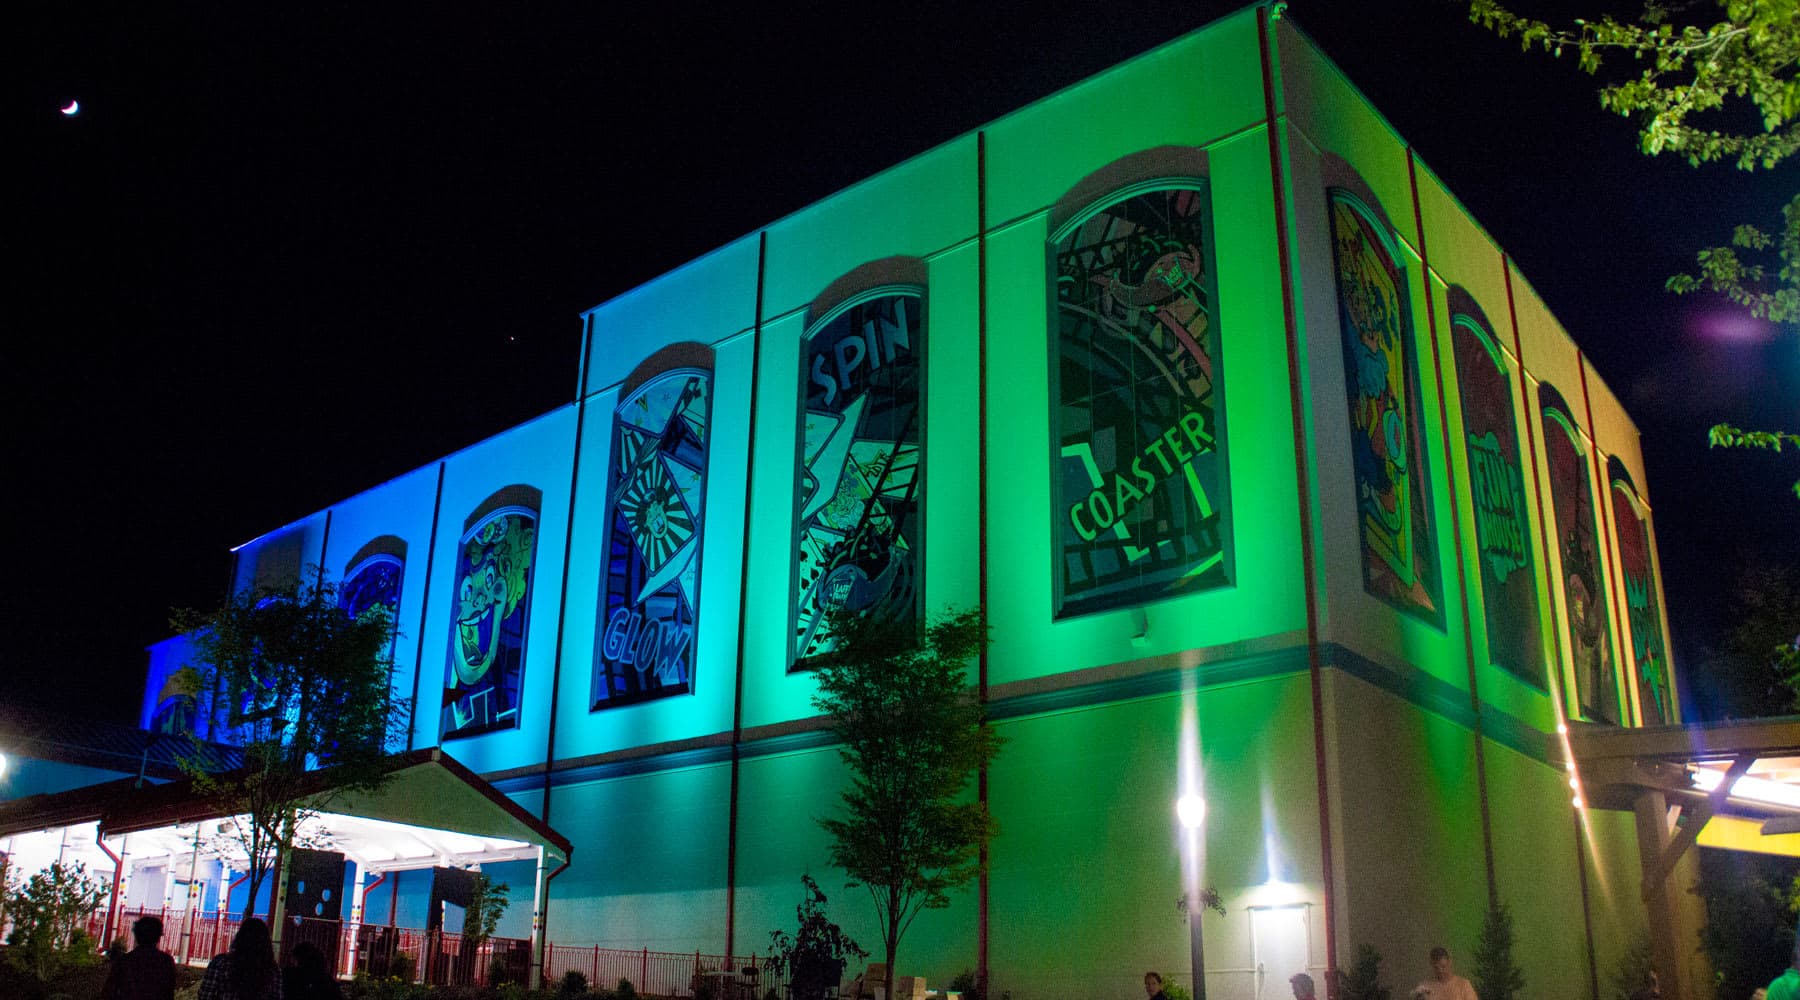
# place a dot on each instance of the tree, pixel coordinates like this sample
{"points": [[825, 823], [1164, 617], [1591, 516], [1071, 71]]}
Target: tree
{"points": [[487, 904], [1496, 977], [46, 911], [913, 736], [1695, 88], [299, 685]]}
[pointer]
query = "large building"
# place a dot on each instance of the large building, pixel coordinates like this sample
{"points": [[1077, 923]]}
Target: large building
{"points": [[1278, 483]]}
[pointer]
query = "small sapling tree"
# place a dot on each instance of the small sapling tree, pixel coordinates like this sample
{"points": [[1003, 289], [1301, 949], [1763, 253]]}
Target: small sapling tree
{"points": [[913, 735]]}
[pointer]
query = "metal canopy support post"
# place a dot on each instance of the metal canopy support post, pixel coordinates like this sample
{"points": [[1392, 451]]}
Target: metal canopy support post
{"points": [[539, 886]]}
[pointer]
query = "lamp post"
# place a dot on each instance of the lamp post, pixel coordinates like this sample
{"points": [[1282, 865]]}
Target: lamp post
{"points": [[1191, 810]]}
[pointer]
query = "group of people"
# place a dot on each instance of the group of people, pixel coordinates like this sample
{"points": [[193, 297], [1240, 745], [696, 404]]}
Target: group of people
{"points": [[1444, 983], [247, 972]]}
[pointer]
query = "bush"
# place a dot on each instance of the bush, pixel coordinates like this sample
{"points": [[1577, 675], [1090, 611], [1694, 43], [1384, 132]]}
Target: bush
{"points": [[1364, 980], [1176, 991], [624, 991], [574, 982], [47, 910], [1496, 977]]}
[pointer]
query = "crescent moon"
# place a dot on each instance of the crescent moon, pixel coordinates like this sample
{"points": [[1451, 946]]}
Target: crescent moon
{"points": [[73, 109]]}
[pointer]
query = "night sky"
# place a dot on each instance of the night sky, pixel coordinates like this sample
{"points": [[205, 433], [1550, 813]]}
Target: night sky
{"points": [[289, 251]]}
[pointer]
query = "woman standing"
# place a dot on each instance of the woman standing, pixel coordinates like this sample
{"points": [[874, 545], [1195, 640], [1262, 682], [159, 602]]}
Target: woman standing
{"points": [[247, 971]]}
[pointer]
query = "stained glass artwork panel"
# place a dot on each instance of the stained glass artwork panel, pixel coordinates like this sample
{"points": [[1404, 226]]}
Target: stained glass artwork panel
{"points": [[487, 643], [861, 458], [657, 489], [1641, 608], [1399, 547], [1583, 582], [374, 581], [1139, 487], [1508, 576]]}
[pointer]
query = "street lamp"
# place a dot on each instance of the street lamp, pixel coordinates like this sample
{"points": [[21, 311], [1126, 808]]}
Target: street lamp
{"points": [[1191, 810]]}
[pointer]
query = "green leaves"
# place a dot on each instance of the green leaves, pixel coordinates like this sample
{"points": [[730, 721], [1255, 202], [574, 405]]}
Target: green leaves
{"points": [[1748, 57], [913, 736]]}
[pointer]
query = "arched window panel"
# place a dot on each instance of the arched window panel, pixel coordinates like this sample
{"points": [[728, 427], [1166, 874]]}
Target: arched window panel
{"points": [[1583, 581], [656, 503], [859, 537], [1139, 486], [1393, 495], [493, 604], [1497, 492], [1643, 613], [373, 577]]}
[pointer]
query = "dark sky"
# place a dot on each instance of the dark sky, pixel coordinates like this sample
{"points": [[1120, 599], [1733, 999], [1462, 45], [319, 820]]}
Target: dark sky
{"points": [[288, 251]]}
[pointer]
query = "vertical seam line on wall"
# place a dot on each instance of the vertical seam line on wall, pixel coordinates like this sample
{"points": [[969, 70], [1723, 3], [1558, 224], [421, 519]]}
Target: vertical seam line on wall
{"points": [[981, 527], [1587, 922], [1625, 682], [1546, 525], [324, 546], [1303, 485], [1559, 711], [737, 698], [1456, 540], [562, 607], [437, 508], [562, 613]]}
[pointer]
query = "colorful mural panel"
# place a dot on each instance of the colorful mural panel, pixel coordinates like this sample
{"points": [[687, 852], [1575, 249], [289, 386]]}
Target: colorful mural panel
{"points": [[1584, 586], [487, 645], [371, 582], [657, 492], [1139, 484], [860, 464], [1497, 494], [1393, 499], [1641, 607]]}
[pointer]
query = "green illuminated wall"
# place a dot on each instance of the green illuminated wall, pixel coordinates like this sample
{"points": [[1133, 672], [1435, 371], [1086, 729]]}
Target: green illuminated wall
{"points": [[1109, 712]]}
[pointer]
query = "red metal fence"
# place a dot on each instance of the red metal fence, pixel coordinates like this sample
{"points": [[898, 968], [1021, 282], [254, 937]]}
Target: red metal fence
{"points": [[439, 958]]}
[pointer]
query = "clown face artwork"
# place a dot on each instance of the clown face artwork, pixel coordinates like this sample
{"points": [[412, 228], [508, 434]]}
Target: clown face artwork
{"points": [[487, 649]]}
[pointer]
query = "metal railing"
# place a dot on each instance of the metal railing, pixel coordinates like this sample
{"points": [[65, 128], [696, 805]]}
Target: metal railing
{"points": [[665, 973], [443, 958]]}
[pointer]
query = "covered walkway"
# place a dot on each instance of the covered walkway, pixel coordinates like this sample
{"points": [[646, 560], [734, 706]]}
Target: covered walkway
{"points": [[431, 813]]}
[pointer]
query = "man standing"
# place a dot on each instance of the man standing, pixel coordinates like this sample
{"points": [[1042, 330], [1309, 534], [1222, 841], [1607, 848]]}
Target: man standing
{"points": [[1444, 983], [147, 973], [1787, 985], [1153, 986]]}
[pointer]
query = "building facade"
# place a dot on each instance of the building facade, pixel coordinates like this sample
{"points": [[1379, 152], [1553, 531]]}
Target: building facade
{"points": [[1278, 483]]}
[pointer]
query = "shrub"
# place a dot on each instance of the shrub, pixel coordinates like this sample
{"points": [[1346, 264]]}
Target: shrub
{"points": [[574, 982], [47, 910], [624, 991], [1496, 977], [1364, 980]]}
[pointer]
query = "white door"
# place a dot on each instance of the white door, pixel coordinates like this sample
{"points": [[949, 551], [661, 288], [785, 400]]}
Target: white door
{"points": [[1278, 937]]}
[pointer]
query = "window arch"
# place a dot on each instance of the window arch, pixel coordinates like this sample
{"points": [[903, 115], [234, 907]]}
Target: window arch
{"points": [[656, 509], [1583, 579], [493, 603], [858, 499], [1139, 484], [1393, 483], [1497, 492], [373, 577], [1637, 563]]}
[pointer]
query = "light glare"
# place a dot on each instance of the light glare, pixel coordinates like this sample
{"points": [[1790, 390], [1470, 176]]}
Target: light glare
{"points": [[1191, 809]]}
